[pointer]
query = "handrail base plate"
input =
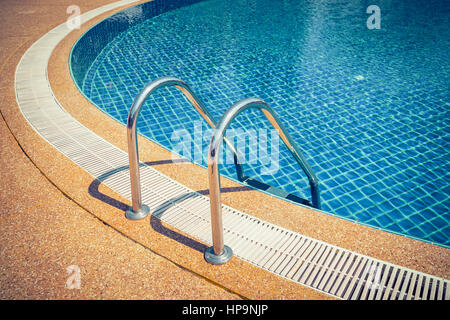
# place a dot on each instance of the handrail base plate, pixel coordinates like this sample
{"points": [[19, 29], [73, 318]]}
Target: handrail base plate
{"points": [[222, 258], [141, 214]]}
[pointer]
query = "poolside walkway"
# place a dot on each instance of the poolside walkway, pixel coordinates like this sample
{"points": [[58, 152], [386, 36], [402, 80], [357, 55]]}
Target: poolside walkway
{"points": [[54, 215], [42, 232]]}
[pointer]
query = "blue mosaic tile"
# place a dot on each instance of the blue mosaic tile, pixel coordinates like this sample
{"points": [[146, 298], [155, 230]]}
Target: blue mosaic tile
{"points": [[369, 108]]}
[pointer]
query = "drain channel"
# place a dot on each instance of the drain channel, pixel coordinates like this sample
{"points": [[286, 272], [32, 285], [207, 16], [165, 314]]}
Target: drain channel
{"points": [[324, 267]]}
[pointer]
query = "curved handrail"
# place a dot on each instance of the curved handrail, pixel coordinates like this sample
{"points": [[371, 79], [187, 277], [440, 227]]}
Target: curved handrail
{"points": [[138, 210], [219, 249]]}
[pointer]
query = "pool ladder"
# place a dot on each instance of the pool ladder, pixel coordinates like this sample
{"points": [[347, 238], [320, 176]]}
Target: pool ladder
{"points": [[219, 253]]}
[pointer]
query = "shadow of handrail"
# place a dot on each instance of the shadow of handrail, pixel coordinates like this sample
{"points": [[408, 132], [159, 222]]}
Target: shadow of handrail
{"points": [[158, 212]]}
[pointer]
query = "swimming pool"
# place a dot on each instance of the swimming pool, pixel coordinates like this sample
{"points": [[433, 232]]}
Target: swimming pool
{"points": [[369, 108]]}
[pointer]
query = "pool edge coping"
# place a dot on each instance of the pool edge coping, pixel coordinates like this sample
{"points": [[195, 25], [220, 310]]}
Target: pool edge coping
{"points": [[59, 90], [236, 183]]}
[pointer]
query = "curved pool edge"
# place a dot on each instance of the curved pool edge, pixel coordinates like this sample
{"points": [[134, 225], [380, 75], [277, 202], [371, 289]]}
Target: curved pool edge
{"points": [[160, 239], [381, 241], [96, 121], [43, 230], [233, 182], [335, 230], [92, 38]]}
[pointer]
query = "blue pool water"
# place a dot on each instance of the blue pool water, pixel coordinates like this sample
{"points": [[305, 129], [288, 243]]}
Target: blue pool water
{"points": [[369, 108]]}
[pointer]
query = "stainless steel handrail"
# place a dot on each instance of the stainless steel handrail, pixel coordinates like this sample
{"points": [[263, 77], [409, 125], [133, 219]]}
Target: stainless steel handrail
{"points": [[139, 210], [220, 253]]}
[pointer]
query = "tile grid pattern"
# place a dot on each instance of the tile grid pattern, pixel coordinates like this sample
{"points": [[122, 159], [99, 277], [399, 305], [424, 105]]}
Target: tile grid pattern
{"points": [[313, 263], [371, 118]]}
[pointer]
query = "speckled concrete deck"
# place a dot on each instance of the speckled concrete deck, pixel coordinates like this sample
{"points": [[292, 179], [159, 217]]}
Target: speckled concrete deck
{"points": [[24, 193], [42, 232]]}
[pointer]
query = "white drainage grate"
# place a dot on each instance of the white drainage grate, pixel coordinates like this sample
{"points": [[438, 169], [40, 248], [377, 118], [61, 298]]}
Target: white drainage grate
{"points": [[330, 269]]}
